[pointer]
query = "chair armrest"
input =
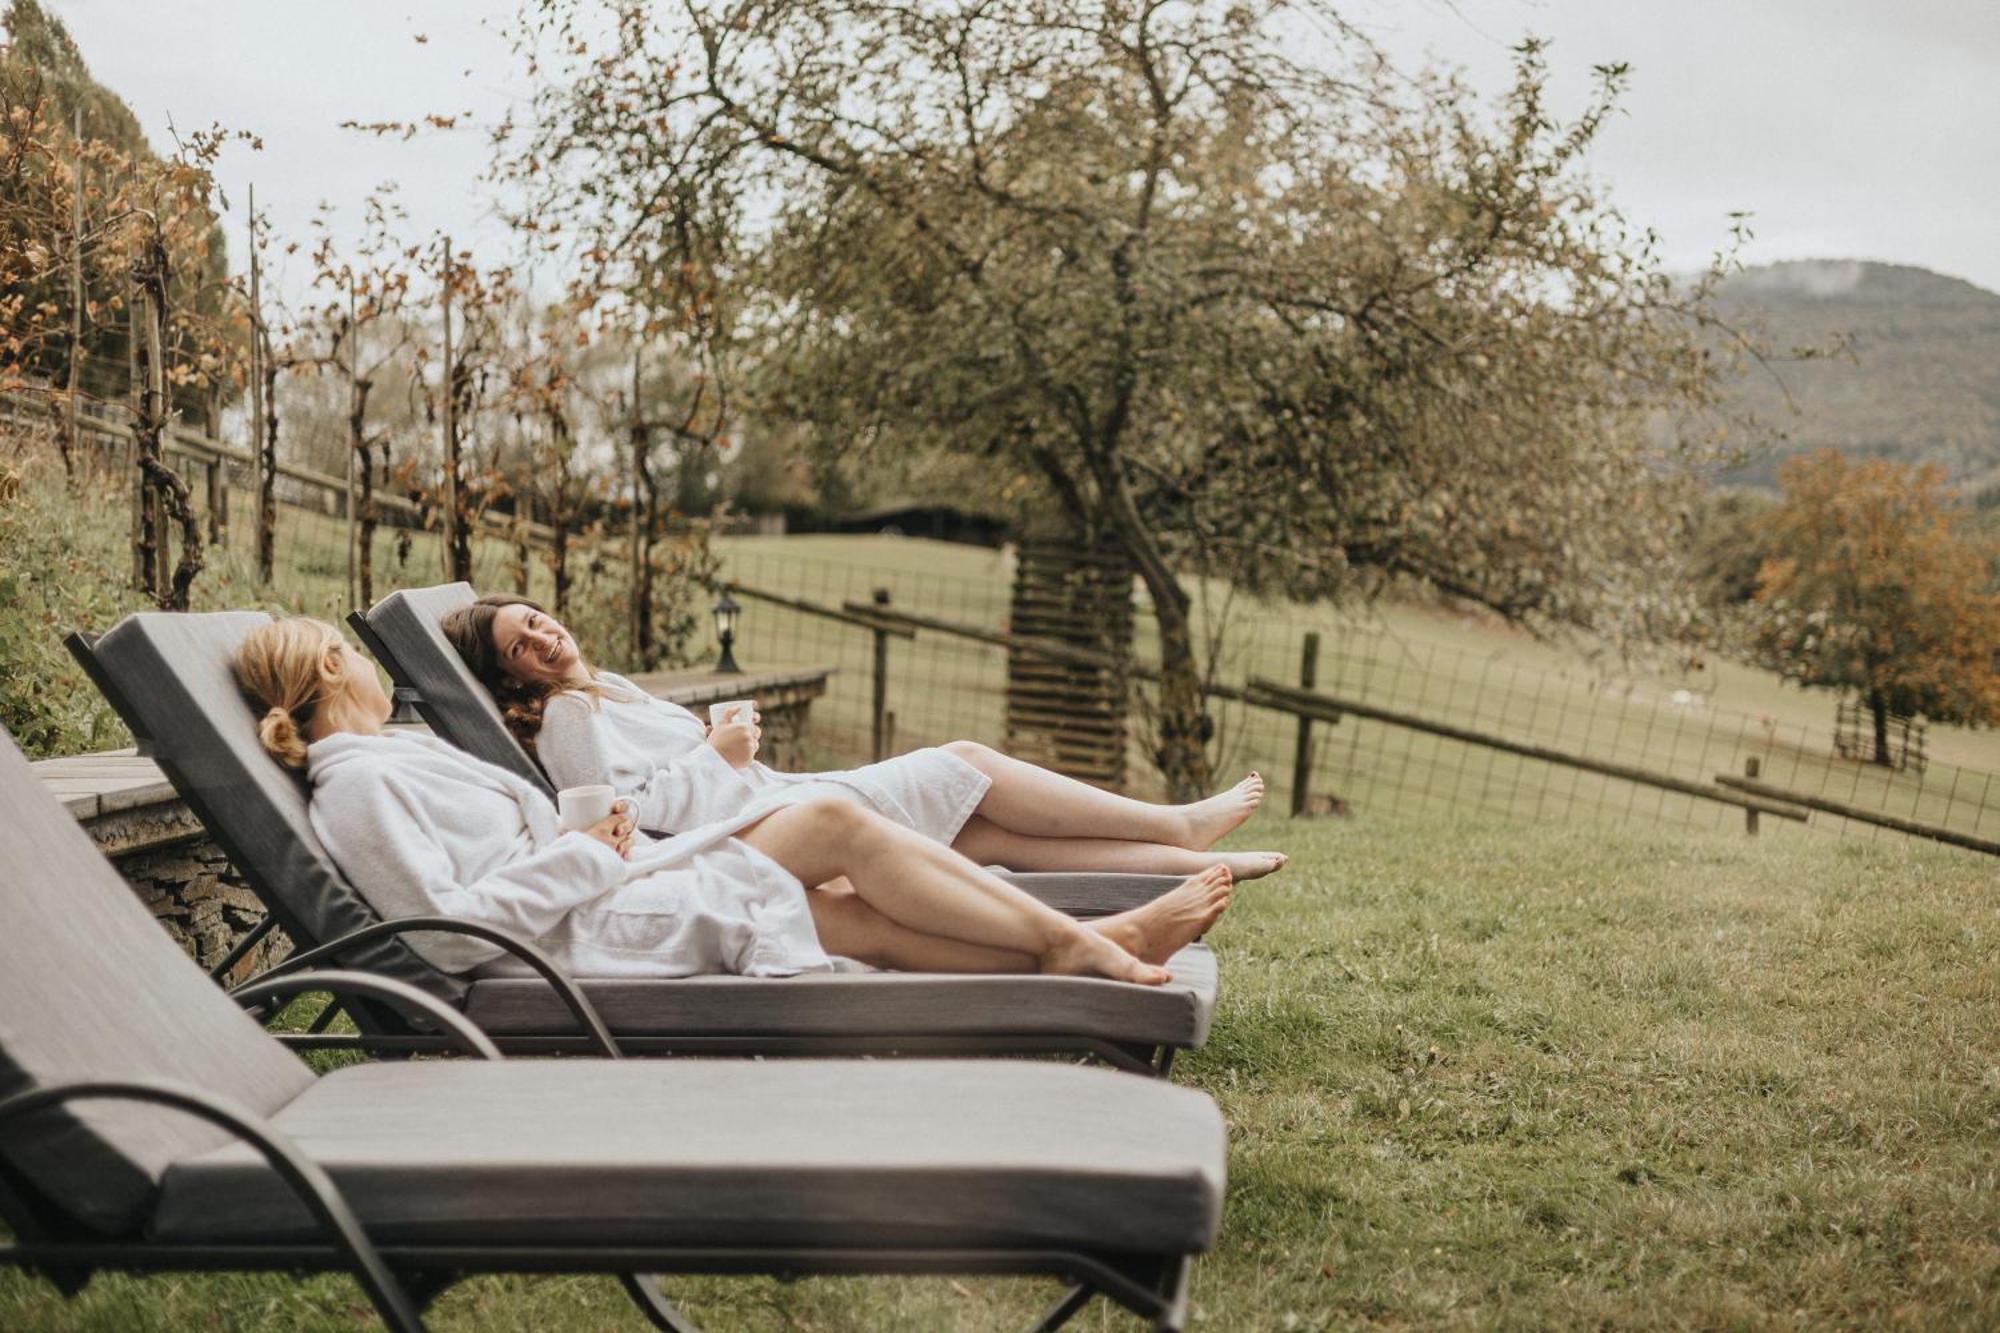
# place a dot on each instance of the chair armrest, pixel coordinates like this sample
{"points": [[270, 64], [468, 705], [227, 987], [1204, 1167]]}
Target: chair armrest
{"points": [[579, 1005], [369, 986], [305, 1176]]}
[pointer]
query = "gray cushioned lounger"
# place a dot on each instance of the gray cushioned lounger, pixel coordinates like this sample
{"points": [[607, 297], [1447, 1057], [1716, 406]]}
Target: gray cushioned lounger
{"points": [[168, 675], [402, 631], [451, 1167]]}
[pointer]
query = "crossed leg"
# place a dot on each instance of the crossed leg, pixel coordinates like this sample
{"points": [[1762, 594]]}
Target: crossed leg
{"points": [[919, 906], [1026, 798], [1033, 819], [988, 843]]}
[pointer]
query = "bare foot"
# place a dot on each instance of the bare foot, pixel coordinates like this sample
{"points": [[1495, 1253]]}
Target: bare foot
{"points": [[1252, 865], [1177, 918], [1088, 953], [1210, 820]]}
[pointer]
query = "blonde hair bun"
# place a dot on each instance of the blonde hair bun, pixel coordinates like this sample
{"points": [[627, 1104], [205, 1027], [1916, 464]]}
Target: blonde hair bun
{"points": [[280, 737], [278, 666]]}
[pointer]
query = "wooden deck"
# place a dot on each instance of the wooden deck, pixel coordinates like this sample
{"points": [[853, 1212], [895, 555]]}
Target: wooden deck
{"points": [[91, 785]]}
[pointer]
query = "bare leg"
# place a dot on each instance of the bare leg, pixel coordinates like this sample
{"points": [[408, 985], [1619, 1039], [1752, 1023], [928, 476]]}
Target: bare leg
{"points": [[851, 928], [933, 890], [1027, 798], [986, 842]]}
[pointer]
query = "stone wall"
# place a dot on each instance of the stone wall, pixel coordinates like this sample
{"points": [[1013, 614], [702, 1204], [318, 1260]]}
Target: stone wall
{"points": [[191, 889]]}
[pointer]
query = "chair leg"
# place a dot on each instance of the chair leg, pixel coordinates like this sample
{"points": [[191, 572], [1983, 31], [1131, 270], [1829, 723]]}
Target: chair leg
{"points": [[1174, 1291], [1065, 1309], [426, 1285], [644, 1289]]}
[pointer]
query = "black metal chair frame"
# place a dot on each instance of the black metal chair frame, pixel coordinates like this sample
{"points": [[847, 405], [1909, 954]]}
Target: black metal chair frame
{"points": [[385, 1031]]}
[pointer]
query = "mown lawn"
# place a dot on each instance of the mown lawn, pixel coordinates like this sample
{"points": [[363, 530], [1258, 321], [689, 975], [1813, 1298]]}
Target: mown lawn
{"points": [[1481, 1074]]}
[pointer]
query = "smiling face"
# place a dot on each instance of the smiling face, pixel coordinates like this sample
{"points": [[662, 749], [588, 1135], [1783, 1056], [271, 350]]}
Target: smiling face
{"points": [[533, 647]]}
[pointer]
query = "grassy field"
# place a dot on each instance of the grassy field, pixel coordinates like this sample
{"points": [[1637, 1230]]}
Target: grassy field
{"points": [[1482, 1075]]}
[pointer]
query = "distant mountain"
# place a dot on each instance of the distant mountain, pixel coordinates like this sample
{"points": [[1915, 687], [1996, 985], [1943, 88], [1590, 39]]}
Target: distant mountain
{"points": [[1922, 384]]}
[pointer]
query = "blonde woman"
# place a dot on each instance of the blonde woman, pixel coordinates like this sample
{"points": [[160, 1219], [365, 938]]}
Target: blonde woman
{"points": [[419, 826], [588, 726]]}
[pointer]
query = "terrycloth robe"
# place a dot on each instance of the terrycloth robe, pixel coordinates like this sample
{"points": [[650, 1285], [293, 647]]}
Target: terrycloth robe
{"points": [[658, 753], [423, 828]]}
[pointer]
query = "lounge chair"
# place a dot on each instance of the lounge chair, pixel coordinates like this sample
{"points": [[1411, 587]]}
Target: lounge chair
{"points": [[146, 1123], [402, 632], [168, 676]]}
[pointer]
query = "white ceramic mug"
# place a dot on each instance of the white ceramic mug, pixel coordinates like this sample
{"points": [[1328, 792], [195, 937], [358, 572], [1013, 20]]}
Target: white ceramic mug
{"points": [[732, 710], [580, 807]]}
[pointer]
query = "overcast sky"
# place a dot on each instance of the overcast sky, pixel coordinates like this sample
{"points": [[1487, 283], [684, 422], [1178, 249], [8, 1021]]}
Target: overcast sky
{"points": [[1850, 128]]}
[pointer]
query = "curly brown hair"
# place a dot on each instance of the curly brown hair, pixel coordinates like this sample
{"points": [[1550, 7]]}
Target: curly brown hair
{"points": [[469, 629]]}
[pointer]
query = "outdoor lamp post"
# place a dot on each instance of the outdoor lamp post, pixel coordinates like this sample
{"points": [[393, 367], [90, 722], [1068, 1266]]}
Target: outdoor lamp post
{"points": [[725, 632]]}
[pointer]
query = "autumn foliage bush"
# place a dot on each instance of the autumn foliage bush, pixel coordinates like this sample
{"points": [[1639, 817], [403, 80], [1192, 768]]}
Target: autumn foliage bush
{"points": [[1875, 585]]}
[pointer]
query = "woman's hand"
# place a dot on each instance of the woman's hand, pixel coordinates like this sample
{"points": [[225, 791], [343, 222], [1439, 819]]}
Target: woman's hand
{"points": [[615, 830], [736, 742]]}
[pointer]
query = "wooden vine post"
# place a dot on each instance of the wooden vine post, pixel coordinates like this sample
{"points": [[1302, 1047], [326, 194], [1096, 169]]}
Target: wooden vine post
{"points": [[453, 568], [73, 429], [162, 493], [263, 427], [354, 401]]}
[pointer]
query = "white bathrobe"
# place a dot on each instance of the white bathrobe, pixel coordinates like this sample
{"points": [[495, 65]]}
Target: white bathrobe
{"points": [[658, 753], [423, 828]]}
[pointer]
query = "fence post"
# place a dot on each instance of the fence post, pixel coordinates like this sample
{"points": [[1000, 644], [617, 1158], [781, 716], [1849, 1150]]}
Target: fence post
{"points": [[218, 502], [73, 430], [1752, 766], [142, 568], [1302, 750], [880, 729]]}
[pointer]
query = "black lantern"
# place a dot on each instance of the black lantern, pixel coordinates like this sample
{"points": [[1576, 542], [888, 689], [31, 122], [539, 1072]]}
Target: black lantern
{"points": [[725, 632]]}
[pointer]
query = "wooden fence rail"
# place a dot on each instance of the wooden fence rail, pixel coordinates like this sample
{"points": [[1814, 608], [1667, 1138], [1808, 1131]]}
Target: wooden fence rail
{"points": [[1265, 693], [1846, 811], [207, 451]]}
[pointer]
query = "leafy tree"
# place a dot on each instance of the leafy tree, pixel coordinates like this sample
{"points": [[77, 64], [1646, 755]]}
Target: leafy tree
{"points": [[46, 92], [1875, 588], [1229, 291], [92, 225]]}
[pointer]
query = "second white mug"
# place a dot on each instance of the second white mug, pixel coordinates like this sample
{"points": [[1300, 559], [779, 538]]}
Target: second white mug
{"points": [[731, 710], [580, 807]]}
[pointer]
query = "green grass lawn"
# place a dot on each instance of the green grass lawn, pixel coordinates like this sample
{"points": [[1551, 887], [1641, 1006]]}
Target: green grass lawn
{"points": [[1486, 1074]]}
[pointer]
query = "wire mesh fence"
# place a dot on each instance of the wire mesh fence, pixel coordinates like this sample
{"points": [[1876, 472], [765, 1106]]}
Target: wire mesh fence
{"points": [[942, 687]]}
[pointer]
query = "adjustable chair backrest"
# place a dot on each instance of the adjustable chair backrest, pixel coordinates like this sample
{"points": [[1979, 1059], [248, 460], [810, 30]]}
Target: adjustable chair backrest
{"points": [[92, 988], [168, 675], [402, 631]]}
